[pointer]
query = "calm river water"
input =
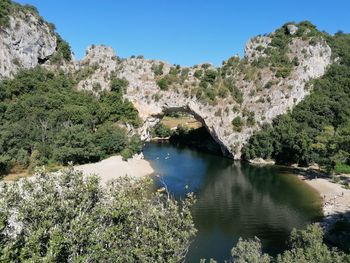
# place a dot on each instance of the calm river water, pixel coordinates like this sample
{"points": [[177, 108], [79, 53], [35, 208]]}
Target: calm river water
{"points": [[234, 199]]}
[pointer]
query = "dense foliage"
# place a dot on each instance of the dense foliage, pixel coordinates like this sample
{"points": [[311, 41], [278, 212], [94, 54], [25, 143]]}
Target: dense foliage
{"points": [[276, 52], [318, 128], [176, 75], [43, 120], [306, 246], [63, 51], [161, 131], [69, 217], [5, 9]]}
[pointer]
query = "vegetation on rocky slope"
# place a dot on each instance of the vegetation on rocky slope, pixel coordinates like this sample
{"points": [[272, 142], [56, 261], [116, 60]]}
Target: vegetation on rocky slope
{"points": [[44, 120], [317, 129], [5, 9], [161, 131], [210, 84]]}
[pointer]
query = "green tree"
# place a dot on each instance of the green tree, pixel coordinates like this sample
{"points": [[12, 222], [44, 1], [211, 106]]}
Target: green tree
{"points": [[160, 130], [306, 246], [158, 69], [63, 51], [4, 164], [198, 73], [165, 82], [249, 251], [119, 85], [209, 77], [110, 139], [5, 9], [75, 144], [237, 124], [69, 217], [45, 120]]}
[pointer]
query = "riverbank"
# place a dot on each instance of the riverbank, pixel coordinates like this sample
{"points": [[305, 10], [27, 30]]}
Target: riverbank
{"points": [[336, 199], [114, 167], [336, 209]]}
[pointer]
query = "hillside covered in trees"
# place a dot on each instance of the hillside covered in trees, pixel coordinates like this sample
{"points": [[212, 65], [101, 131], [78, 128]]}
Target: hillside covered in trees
{"points": [[44, 115], [317, 130], [45, 121]]}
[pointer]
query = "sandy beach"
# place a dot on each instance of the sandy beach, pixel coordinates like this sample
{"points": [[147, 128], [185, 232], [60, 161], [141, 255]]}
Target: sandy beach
{"points": [[336, 209], [115, 167], [336, 199]]}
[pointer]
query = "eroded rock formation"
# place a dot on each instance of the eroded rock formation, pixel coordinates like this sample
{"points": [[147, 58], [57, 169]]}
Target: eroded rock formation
{"points": [[26, 42], [244, 88], [264, 97]]}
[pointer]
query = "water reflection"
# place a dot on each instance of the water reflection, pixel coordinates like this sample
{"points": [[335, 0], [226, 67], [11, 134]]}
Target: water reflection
{"points": [[234, 199]]}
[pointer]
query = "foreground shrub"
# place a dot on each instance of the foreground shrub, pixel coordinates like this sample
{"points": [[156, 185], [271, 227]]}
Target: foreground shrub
{"points": [[306, 246], [70, 218]]}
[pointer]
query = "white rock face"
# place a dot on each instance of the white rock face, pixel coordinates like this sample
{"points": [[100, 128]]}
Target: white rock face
{"points": [[254, 47], [104, 62], [152, 102], [26, 43], [292, 29]]}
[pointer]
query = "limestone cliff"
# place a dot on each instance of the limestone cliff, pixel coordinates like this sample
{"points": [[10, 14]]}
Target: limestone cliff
{"points": [[264, 94], [27, 41], [272, 77]]}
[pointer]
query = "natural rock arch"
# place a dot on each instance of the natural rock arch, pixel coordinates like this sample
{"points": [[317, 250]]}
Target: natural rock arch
{"points": [[153, 119], [152, 102], [101, 64]]}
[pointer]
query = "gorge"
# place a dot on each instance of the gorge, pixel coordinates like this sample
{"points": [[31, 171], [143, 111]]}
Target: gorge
{"points": [[101, 190], [271, 79]]}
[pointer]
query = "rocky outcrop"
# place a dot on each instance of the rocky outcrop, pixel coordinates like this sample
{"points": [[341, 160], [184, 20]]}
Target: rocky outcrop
{"points": [[292, 29], [260, 161], [25, 43], [254, 48], [152, 102], [102, 63], [28, 41], [264, 98]]}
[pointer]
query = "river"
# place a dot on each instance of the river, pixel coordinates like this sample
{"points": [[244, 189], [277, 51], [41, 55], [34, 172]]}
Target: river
{"points": [[234, 199]]}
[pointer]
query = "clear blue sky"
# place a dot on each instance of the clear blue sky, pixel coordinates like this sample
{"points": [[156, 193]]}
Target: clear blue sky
{"points": [[184, 32]]}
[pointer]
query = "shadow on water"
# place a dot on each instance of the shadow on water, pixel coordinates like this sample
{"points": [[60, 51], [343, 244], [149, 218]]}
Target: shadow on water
{"points": [[234, 199], [337, 228]]}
